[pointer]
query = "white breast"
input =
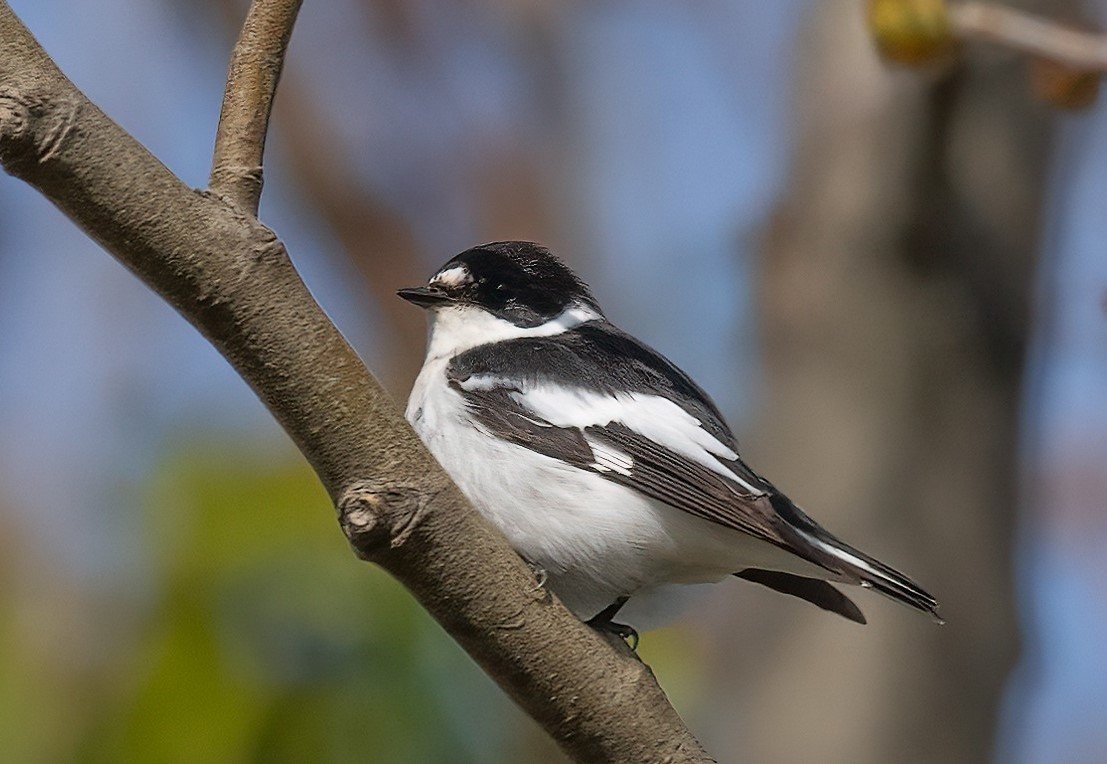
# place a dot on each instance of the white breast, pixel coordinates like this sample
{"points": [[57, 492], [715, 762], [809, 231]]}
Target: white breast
{"points": [[586, 532]]}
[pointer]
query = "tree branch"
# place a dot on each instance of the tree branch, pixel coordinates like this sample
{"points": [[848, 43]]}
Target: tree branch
{"points": [[1024, 32], [236, 168], [232, 278]]}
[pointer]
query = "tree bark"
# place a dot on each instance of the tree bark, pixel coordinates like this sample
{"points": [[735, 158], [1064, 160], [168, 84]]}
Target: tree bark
{"points": [[255, 70], [233, 280]]}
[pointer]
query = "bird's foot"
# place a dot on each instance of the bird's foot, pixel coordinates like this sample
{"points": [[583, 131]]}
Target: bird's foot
{"points": [[627, 633], [602, 622]]}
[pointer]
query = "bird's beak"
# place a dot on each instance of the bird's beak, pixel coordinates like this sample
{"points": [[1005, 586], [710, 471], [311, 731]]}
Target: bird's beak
{"points": [[424, 297]]}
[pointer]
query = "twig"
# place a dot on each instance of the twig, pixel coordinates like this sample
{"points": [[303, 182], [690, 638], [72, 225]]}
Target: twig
{"points": [[232, 279], [236, 168], [1030, 34]]}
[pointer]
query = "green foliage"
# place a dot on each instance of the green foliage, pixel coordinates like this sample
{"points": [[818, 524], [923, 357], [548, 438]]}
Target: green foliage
{"points": [[271, 642]]}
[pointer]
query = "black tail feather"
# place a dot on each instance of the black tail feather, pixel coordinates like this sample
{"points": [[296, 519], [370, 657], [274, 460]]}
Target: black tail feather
{"points": [[828, 551], [817, 592], [899, 587], [885, 579]]}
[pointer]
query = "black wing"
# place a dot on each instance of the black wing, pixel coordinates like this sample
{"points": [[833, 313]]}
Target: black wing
{"points": [[599, 357]]}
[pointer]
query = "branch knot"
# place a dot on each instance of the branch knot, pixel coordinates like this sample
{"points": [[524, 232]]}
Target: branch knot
{"points": [[379, 514], [14, 115], [34, 129]]}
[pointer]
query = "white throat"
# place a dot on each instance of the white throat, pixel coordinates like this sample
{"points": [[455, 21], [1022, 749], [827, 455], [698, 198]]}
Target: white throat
{"points": [[454, 329]]}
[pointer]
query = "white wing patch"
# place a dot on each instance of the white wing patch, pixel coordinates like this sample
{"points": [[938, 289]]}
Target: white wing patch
{"points": [[609, 459], [651, 416], [479, 382]]}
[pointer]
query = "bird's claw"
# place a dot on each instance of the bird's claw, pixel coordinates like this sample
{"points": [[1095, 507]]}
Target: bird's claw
{"points": [[627, 633], [603, 622]]}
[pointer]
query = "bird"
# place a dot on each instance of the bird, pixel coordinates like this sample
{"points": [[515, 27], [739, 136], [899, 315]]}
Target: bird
{"points": [[609, 470]]}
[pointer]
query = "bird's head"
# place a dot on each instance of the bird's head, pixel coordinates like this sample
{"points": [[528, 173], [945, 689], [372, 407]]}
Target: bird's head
{"points": [[518, 282], [500, 291]]}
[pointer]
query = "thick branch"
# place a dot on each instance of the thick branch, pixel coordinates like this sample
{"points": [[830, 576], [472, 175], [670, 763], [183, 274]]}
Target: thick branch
{"points": [[232, 279], [236, 169], [1030, 34]]}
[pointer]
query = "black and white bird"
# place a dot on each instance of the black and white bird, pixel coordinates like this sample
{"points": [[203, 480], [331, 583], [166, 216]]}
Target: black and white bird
{"points": [[605, 465]]}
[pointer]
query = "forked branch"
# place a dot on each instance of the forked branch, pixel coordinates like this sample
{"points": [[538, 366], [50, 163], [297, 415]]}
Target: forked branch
{"points": [[208, 256], [255, 70]]}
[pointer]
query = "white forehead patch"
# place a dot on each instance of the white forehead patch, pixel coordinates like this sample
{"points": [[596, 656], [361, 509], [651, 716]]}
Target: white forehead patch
{"points": [[453, 277]]}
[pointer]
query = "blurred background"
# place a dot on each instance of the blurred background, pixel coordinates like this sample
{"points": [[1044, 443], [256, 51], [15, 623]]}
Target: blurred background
{"points": [[893, 281]]}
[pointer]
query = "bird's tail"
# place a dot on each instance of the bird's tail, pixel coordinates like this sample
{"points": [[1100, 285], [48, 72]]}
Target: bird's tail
{"points": [[873, 574], [855, 564]]}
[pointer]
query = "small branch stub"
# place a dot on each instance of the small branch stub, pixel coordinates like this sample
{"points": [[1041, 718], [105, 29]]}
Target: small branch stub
{"points": [[32, 130], [375, 517], [14, 117], [13, 114]]}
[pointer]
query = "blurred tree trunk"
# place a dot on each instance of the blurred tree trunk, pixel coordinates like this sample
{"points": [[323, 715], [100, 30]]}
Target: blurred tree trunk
{"points": [[895, 292]]}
